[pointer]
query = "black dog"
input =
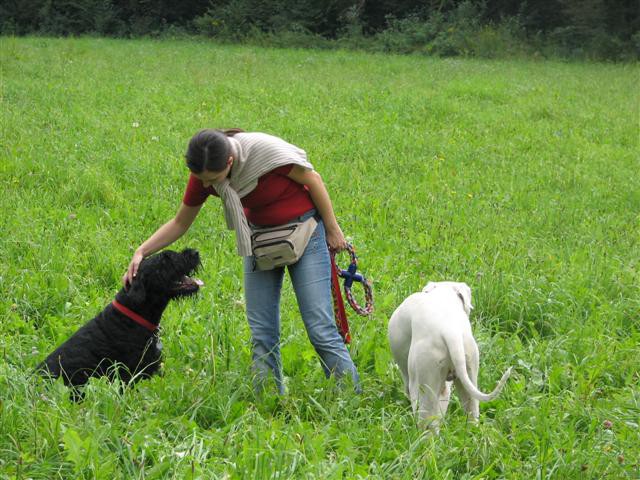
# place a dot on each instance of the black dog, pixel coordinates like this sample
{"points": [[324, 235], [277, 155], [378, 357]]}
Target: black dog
{"points": [[124, 334]]}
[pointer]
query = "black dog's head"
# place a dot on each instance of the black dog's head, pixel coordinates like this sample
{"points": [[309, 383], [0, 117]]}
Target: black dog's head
{"points": [[165, 276]]}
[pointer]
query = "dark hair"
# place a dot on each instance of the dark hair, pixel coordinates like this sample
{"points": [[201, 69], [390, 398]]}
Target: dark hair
{"points": [[209, 149]]}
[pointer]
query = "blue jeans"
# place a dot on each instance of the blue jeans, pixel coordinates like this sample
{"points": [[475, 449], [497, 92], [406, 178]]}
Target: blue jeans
{"points": [[311, 279]]}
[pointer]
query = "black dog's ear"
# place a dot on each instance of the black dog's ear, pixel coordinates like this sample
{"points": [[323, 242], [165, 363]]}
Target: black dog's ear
{"points": [[136, 290]]}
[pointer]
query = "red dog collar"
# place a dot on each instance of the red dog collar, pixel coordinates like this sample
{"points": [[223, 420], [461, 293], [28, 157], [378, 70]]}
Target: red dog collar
{"points": [[134, 316]]}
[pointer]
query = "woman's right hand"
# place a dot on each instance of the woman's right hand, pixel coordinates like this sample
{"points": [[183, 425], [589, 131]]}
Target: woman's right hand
{"points": [[131, 272], [163, 237]]}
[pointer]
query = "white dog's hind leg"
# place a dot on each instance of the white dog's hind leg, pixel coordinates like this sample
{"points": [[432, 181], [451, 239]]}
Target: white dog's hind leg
{"points": [[425, 404], [399, 332], [445, 397], [426, 382]]}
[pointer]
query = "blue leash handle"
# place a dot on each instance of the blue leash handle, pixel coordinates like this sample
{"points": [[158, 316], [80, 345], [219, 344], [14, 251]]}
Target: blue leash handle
{"points": [[350, 276]]}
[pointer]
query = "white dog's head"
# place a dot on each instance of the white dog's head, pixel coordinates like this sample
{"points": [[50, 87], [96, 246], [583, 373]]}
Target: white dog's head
{"points": [[462, 290]]}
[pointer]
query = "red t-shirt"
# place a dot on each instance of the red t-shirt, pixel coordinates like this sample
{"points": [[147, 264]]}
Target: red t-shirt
{"points": [[276, 199]]}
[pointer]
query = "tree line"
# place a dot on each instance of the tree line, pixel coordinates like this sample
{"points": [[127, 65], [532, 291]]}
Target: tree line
{"points": [[599, 29]]}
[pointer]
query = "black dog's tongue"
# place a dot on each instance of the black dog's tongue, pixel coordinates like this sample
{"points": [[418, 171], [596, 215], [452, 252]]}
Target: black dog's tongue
{"points": [[187, 283]]}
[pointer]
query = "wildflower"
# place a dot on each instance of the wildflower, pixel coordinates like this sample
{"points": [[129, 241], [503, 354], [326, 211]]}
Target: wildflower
{"points": [[135, 124]]}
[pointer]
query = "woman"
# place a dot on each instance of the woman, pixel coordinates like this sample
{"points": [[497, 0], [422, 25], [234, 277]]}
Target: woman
{"points": [[263, 180]]}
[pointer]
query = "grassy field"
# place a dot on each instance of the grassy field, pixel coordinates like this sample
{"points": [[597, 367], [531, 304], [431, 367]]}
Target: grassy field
{"points": [[519, 178]]}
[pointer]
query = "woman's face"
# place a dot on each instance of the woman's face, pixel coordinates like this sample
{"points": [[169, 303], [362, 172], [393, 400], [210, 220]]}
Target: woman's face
{"points": [[209, 178]]}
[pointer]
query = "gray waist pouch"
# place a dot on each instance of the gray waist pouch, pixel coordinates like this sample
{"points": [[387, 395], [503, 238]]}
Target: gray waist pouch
{"points": [[282, 245]]}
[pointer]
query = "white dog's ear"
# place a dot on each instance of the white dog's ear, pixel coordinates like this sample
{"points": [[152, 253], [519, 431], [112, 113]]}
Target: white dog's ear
{"points": [[430, 286], [464, 292]]}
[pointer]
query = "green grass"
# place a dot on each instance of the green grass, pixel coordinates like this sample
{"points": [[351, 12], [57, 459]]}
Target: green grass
{"points": [[519, 178]]}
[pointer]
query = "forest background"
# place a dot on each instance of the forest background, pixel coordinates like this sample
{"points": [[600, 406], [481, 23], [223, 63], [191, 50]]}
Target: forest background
{"points": [[572, 29]]}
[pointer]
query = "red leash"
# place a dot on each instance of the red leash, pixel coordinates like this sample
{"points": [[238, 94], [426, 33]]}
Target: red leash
{"points": [[338, 304]]}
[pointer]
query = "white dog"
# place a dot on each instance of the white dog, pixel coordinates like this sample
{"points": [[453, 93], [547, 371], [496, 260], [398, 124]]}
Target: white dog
{"points": [[432, 343]]}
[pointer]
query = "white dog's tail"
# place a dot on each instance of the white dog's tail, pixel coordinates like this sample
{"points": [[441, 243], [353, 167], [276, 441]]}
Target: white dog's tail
{"points": [[456, 351]]}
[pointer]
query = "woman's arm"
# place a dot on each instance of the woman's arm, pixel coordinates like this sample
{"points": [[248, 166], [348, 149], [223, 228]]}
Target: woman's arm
{"points": [[320, 198], [163, 237]]}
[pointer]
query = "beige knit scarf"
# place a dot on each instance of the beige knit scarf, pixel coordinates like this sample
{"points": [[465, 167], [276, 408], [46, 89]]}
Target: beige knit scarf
{"points": [[255, 154]]}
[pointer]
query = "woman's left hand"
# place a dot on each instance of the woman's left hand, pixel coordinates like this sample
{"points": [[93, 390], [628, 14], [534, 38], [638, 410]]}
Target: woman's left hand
{"points": [[335, 239]]}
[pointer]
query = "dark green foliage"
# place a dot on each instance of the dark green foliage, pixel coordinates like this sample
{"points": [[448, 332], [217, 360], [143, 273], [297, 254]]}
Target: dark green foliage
{"points": [[598, 29], [457, 32], [103, 17], [67, 17], [240, 18]]}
